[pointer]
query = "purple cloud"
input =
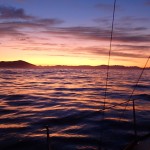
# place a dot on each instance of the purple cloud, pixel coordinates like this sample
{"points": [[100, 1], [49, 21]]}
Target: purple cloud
{"points": [[99, 51], [10, 31], [132, 19], [46, 21], [79, 32], [13, 13], [99, 34], [139, 48]]}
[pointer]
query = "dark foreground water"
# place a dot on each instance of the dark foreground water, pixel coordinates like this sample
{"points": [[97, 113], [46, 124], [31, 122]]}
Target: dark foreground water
{"points": [[69, 102]]}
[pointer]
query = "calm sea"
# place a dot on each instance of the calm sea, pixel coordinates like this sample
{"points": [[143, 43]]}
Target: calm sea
{"points": [[70, 103]]}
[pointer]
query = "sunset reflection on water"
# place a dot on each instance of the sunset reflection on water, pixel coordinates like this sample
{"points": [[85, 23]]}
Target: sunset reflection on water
{"points": [[69, 101]]}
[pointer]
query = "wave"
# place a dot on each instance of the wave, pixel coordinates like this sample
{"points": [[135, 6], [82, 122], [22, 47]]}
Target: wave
{"points": [[69, 103]]}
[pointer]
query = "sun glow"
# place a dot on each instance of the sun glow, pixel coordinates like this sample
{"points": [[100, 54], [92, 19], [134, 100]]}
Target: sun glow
{"points": [[71, 40]]}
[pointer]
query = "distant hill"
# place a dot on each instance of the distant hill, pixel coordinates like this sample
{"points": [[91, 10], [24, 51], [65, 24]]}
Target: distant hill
{"points": [[16, 64], [23, 64], [94, 67]]}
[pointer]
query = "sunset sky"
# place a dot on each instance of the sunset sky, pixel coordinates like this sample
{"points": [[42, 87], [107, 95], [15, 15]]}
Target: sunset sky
{"points": [[74, 32]]}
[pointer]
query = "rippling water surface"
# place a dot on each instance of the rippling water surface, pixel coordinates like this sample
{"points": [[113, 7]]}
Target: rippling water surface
{"points": [[69, 102]]}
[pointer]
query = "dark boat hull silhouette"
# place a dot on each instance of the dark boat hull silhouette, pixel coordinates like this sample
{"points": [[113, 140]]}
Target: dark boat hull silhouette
{"points": [[142, 143]]}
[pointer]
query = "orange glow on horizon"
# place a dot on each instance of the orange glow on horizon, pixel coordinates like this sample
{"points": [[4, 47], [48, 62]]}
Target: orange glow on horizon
{"points": [[72, 52]]}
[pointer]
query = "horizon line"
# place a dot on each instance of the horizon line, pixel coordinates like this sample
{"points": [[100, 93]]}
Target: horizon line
{"points": [[59, 65]]}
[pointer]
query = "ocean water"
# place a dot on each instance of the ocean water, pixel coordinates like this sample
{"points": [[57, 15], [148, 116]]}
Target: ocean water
{"points": [[70, 102]]}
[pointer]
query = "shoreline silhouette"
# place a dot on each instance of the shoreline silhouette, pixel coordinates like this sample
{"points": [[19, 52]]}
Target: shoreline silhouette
{"points": [[24, 64]]}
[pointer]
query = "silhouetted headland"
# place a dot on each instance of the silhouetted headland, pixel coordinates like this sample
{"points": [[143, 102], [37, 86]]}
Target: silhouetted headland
{"points": [[16, 64], [24, 64]]}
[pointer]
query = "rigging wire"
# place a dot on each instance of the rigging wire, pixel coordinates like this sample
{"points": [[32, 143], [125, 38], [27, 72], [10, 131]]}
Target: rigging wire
{"points": [[110, 48], [123, 103], [127, 102], [130, 98], [107, 76], [139, 78]]}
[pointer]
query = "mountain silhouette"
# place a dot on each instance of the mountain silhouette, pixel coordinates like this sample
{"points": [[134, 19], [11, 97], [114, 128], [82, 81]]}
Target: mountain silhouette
{"points": [[24, 64], [16, 64]]}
